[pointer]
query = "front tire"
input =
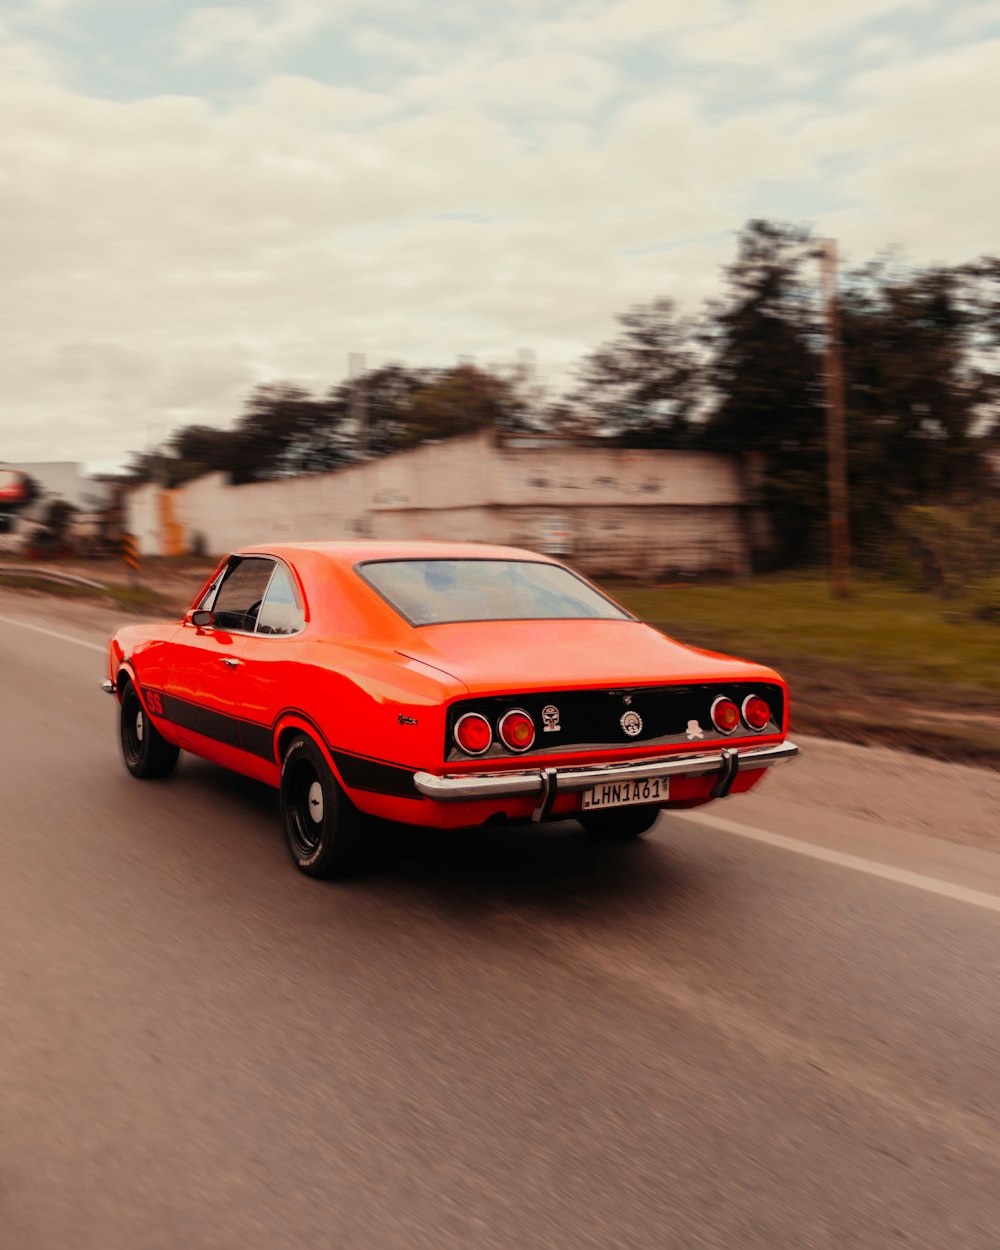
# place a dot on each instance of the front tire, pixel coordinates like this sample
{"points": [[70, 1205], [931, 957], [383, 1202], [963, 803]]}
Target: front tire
{"points": [[323, 829], [621, 824], [146, 752]]}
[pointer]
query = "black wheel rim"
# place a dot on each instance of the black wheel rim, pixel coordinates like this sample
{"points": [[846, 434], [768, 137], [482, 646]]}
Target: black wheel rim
{"points": [[133, 727], [306, 809]]}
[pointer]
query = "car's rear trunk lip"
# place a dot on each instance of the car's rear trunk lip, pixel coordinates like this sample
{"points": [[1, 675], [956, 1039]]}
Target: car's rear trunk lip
{"points": [[499, 657]]}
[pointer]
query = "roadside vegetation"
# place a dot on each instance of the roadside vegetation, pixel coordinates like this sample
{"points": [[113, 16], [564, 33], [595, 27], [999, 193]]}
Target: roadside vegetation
{"points": [[131, 598], [882, 628], [889, 664]]}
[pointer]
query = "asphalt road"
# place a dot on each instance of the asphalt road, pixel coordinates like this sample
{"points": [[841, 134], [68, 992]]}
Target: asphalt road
{"points": [[773, 1026]]}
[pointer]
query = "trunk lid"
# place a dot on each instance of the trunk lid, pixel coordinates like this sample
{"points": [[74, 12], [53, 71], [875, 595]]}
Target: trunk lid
{"points": [[545, 655]]}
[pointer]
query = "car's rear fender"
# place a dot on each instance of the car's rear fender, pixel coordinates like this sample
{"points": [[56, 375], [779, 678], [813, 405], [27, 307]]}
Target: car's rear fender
{"points": [[369, 782], [295, 724], [372, 703]]}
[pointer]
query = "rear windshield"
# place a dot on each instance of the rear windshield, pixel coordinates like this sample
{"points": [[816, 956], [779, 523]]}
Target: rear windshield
{"points": [[432, 592]]}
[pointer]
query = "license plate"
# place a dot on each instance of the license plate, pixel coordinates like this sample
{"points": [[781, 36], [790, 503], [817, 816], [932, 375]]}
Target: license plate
{"points": [[625, 793]]}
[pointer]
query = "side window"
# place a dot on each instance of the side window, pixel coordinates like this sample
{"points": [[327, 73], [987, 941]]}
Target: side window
{"points": [[240, 596], [281, 611], [208, 598]]}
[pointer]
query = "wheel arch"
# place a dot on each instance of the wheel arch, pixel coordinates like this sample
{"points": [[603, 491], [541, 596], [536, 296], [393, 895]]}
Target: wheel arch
{"points": [[292, 725], [126, 675]]}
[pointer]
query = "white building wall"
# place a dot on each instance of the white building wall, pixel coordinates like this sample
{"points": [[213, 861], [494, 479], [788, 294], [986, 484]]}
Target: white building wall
{"points": [[621, 511], [142, 517]]}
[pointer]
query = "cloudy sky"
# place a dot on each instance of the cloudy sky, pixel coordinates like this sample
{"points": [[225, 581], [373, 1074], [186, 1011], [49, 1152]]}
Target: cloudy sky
{"points": [[198, 197]]}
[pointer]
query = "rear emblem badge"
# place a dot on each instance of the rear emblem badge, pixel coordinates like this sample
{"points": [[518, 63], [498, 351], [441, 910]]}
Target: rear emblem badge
{"points": [[694, 730], [631, 722], [550, 718]]}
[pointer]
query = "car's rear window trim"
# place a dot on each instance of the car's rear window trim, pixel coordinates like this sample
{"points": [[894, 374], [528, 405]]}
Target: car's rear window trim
{"points": [[626, 618]]}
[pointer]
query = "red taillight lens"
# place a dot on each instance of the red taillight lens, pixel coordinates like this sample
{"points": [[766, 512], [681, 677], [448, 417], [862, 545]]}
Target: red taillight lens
{"points": [[517, 730], [473, 733], [725, 715], [756, 712]]}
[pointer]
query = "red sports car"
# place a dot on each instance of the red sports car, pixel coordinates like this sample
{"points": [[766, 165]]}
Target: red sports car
{"points": [[439, 684]]}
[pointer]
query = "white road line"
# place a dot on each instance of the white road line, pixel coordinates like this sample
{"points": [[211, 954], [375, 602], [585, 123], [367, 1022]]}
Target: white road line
{"points": [[53, 633], [916, 880]]}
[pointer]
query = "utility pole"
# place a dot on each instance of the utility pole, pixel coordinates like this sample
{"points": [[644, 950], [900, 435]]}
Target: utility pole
{"points": [[836, 449]]}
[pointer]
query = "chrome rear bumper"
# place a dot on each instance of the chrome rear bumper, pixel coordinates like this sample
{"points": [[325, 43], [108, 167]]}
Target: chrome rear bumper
{"points": [[547, 782]]}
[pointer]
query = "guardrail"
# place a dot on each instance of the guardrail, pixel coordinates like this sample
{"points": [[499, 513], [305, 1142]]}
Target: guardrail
{"points": [[53, 575]]}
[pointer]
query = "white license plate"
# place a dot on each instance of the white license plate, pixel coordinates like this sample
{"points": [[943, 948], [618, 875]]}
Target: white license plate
{"points": [[625, 793]]}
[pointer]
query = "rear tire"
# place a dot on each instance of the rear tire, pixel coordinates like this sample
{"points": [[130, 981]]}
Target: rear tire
{"points": [[146, 752], [324, 831], [619, 825]]}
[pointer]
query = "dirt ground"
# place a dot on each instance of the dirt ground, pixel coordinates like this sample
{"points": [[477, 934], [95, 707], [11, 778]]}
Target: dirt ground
{"points": [[866, 708]]}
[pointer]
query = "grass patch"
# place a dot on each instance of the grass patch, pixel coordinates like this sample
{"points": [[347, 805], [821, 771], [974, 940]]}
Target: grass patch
{"points": [[882, 628], [138, 598], [131, 598], [68, 590], [888, 665]]}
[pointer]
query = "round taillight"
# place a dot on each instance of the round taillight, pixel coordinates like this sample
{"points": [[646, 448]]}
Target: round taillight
{"points": [[473, 733], [725, 715], [517, 730], [756, 712]]}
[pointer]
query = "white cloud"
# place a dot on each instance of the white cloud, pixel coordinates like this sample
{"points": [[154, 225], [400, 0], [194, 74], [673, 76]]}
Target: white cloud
{"points": [[252, 33], [926, 136], [969, 19], [771, 29], [47, 10], [629, 21], [304, 99], [164, 254], [539, 83], [24, 60]]}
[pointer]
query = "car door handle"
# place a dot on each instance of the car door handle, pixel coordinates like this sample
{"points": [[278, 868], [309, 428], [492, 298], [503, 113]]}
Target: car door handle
{"points": [[229, 661]]}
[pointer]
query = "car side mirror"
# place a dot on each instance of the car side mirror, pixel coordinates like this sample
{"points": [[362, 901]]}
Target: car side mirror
{"points": [[201, 618]]}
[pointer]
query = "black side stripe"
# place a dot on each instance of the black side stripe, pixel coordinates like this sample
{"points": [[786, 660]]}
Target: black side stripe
{"points": [[217, 725], [365, 774], [358, 771]]}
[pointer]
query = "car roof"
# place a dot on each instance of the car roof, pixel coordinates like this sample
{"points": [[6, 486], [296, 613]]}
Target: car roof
{"points": [[352, 551], [341, 603]]}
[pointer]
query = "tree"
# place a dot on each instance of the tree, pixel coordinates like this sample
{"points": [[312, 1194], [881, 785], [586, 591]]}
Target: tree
{"points": [[457, 401], [645, 387], [200, 449], [766, 373], [143, 466], [283, 431], [915, 385], [386, 396]]}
